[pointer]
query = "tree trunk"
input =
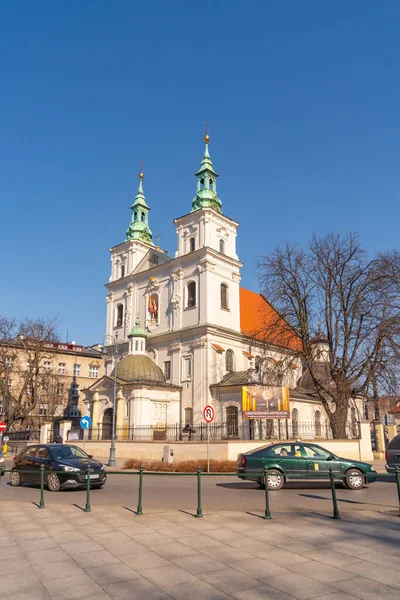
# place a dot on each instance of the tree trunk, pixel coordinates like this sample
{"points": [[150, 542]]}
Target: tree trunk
{"points": [[338, 419]]}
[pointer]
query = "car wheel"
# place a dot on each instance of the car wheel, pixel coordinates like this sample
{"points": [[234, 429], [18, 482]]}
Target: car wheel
{"points": [[354, 479], [275, 479], [53, 483], [15, 478]]}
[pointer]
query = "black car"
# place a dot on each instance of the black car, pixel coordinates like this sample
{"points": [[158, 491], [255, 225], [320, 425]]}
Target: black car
{"points": [[70, 462], [393, 455]]}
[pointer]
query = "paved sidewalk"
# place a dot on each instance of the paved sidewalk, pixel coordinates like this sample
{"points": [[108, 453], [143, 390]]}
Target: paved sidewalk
{"points": [[62, 553]]}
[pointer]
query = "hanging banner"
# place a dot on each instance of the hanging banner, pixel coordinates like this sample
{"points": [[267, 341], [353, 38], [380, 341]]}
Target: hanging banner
{"points": [[265, 402]]}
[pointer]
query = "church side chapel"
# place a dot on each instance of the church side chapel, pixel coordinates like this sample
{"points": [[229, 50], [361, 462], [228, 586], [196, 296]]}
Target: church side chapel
{"points": [[189, 335]]}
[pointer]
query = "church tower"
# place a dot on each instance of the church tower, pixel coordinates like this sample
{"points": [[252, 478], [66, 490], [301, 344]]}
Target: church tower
{"points": [[139, 227]]}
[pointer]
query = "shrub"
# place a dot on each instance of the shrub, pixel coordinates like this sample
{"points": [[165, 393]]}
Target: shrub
{"points": [[186, 466]]}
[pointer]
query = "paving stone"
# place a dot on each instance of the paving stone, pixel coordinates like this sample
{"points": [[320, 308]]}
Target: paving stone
{"points": [[382, 558], [137, 589], [223, 534], [365, 589], [144, 560], [348, 548], [110, 537], [258, 567], [198, 564], [14, 565], [167, 575], [53, 570], [70, 536], [153, 539], [384, 575], [319, 571], [36, 592], [7, 552], [279, 556], [200, 590], [199, 541], [26, 579], [248, 544], [38, 557], [124, 548], [40, 544], [229, 580], [73, 548], [6, 541], [264, 592], [95, 559], [112, 573], [174, 550], [297, 585], [336, 596], [334, 559], [225, 554], [79, 586]]}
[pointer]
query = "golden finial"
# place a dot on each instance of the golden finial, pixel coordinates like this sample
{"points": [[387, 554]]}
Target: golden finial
{"points": [[206, 136], [141, 174]]}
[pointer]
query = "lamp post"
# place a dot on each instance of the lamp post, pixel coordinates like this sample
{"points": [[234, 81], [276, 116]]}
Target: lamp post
{"points": [[114, 341]]}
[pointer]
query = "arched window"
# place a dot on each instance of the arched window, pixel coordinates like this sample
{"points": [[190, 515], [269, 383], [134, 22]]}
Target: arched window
{"points": [[188, 416], [222, 246], [191, 294], [136, 345], [224, 295], [135, 216], [257, 363], [122, 270], [211, 184], [232, 420], [295, 423], [230, 360], [202, 184], [119, 315], [143, 217], [317, 421], [192, 244], [153, 307]]}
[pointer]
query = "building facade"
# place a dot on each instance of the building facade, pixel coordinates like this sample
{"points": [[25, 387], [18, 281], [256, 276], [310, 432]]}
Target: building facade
{"points": [[200, 325]]}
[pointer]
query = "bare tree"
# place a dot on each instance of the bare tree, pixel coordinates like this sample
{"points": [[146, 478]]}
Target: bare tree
{"points": [[335, 284], [27, 379]]}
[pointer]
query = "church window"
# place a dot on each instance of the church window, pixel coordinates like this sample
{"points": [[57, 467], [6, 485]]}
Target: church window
{"points": [[257, 363], [143, 217], [232, 420], [119, 315], [167, 370], [202, 184], [135, 216], [211, 184], [222, 246], [122, 270], [153, 307], [188, 416], [224, 296], [191, 294], [187, 368], [192, 244], [126, 409], [230, 360], [137, 345]]}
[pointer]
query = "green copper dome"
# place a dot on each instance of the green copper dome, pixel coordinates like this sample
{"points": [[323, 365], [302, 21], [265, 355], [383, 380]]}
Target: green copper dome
{"points": [[139, 368], [139, 227], [137, 330]]}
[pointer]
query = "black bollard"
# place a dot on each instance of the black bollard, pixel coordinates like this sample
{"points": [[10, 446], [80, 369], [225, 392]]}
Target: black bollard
{"points": [[336, 514]]}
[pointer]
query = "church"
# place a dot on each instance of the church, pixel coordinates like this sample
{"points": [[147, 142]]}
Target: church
{"points": [[182, 332]]}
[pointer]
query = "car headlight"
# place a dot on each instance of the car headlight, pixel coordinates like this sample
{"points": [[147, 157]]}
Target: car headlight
{"points": [[372, 469], [68, 468]]}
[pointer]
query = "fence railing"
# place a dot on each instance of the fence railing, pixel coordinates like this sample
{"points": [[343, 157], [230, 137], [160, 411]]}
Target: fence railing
{"points": [[278, 429], [26, 434], [199, 474]]}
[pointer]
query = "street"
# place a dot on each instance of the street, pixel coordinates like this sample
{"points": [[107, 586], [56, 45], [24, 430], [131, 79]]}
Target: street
{"points": [[218, 493]]}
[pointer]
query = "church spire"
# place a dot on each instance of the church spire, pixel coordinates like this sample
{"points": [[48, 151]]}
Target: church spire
{"points": [[139, 227], [206, 195]]}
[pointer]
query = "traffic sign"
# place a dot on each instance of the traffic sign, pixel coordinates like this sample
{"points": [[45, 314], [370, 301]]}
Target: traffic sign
{"points": [[85, 422], [6, 439], [3, 426], [208, 414]]}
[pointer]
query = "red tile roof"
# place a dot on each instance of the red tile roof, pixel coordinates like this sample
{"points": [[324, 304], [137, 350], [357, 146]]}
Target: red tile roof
{"points": [[259, 319]]}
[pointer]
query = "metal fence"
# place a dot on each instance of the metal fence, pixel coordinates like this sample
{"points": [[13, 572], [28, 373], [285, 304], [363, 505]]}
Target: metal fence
{"points": [[277, 429], [25, 434]]}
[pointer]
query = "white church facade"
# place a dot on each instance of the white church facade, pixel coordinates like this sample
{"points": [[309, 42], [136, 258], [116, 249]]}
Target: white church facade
{"points": [[190, 318]]}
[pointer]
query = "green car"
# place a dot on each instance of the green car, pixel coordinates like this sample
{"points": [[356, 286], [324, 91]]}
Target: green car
{"points": [[298, 461]]}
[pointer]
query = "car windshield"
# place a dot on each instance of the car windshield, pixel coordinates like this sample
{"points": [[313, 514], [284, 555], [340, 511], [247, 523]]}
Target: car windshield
{"points": [[67, 452]]}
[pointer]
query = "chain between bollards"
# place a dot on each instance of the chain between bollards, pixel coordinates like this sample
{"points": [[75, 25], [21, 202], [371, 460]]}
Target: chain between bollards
{"points": [[398, 484], [41, 503], [199, 509], [87, 505], [139, 510], [267, 514], [336, 514]]}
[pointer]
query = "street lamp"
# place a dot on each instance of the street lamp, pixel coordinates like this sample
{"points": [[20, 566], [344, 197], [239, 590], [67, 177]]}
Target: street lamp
{"points": [[114, 341]]}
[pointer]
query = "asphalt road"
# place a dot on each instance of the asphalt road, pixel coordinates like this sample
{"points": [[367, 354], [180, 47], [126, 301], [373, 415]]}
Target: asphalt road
{"points": [[218, 493]]}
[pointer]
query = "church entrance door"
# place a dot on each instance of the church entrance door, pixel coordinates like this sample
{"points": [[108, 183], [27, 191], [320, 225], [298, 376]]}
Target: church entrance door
{"points": [[107, 424]]}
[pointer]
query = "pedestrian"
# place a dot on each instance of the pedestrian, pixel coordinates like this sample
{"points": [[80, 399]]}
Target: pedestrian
{"points": [[58, 440]]}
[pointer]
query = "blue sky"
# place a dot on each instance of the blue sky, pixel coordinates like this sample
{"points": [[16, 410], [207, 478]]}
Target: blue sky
{"points": [[302, 99]]}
